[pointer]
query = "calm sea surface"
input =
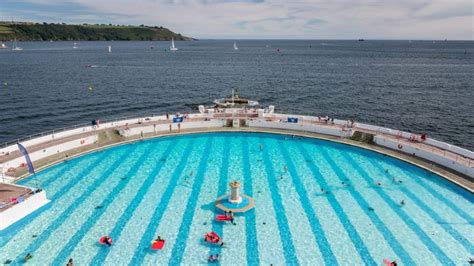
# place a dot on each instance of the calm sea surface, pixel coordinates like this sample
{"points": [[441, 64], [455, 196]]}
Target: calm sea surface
{"points": [[418, 86]]}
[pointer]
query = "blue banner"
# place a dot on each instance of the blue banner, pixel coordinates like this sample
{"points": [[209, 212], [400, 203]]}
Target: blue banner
{"points": [[31, 169], [292, 120], [177, 119]]}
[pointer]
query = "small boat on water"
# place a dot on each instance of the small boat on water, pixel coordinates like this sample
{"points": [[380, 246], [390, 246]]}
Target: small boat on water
{"points": [[235, 46], [75, 46], [172, 47], [110, 48], [3, 46], [234, 101], [15, 47]]}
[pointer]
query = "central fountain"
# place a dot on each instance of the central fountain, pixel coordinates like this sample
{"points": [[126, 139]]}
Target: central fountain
{"points": [[236, 202]]}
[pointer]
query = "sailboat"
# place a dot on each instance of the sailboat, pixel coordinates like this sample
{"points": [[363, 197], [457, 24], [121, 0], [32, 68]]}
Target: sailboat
{"points": [[3, 46], [172, 47], [110, 48], [235, 46], [15, 47], [75, 46]]}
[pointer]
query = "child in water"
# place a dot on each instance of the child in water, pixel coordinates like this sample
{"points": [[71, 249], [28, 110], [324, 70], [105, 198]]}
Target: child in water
{"points": [[108, 241], [28, 257], [213, 258]]}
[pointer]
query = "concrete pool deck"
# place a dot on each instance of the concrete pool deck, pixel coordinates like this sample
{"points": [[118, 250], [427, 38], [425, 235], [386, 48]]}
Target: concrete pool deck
{"points": [[145, 128], [448, 174], [9, 192]]}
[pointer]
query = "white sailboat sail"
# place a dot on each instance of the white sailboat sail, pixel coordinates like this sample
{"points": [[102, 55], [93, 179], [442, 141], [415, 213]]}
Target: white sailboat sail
{"points": [[110, 48], [74, 46], [235, 46], [173, 48], [15, 47]]}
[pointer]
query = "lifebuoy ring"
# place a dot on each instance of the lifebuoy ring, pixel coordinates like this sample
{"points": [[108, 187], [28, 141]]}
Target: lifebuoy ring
{"points": [[83, 141], [400, 146]]}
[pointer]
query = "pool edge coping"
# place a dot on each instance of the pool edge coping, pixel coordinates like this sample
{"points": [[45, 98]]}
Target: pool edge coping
{"points": [[379, 149]]}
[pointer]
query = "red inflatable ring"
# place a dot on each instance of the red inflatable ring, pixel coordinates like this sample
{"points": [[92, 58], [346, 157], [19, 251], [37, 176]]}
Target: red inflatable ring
{"points": [[102, 240], [212, 237]]}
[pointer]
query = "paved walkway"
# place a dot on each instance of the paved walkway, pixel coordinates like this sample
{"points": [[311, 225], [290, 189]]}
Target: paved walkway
{"points": [[457, 178], [9, 192]]}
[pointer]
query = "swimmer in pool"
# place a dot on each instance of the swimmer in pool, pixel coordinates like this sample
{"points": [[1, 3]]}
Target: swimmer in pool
{"points": [[213, 258], [107, 241], [27, 257]]}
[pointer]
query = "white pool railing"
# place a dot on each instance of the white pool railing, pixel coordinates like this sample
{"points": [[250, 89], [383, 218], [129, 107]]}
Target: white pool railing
{"points": [[444, 154]]}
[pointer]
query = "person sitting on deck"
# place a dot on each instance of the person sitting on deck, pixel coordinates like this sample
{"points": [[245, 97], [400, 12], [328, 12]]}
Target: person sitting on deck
{"points": [[423, 136]]}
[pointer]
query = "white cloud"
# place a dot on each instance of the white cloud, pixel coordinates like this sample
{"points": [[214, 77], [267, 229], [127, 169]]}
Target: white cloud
{"points": [[404, 19]]}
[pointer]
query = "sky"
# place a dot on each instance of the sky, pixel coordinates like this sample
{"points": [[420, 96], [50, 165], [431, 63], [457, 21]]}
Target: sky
{"points": [[264, 19]]}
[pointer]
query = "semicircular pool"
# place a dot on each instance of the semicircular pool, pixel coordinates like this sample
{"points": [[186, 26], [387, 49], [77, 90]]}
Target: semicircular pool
{"points": [[316, 202]]}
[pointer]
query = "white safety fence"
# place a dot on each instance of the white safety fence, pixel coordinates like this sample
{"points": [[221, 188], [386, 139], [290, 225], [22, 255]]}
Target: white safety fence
{"points": [[444, 154], [20, 162]]}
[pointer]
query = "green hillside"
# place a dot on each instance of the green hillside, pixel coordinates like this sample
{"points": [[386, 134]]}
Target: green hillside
{"points": [[26, 31]]}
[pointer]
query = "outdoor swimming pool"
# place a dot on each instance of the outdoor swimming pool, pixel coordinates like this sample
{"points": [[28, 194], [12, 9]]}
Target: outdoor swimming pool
{"points": [[167, 186]]}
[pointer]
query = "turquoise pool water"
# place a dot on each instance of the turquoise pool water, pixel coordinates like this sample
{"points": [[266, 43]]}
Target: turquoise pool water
{"points": [[167, 187]]}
